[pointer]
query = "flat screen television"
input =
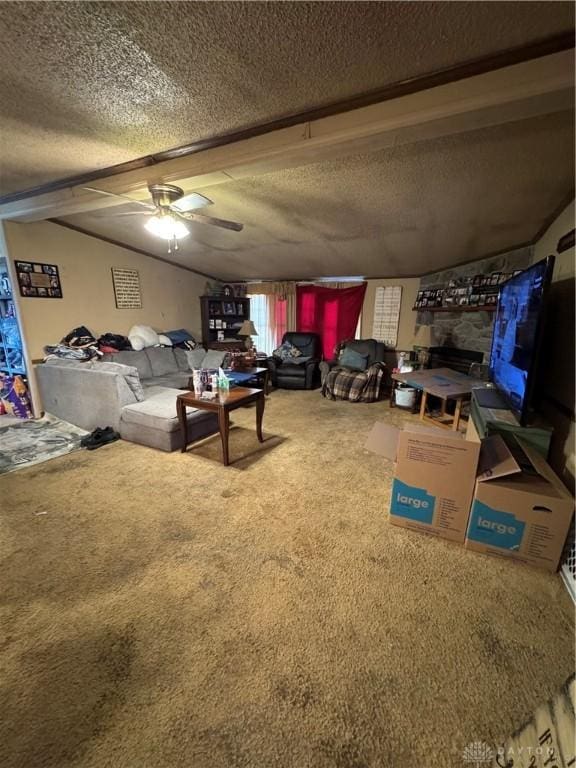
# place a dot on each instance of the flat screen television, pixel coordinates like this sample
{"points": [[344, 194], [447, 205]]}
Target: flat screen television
{"points": [[517, 336]]}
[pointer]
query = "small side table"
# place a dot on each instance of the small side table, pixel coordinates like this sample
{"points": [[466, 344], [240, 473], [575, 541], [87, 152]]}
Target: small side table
{"points": [[222, 404]]}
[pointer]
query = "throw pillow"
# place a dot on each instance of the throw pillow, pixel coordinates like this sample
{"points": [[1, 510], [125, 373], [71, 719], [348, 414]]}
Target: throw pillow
{"points": [[286, 351], [196, 357], [145, 334], [179, 336], [137, 343], [349, 358]]}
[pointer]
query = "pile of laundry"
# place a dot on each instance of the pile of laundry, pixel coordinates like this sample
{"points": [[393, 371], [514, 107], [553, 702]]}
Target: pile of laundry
{"points": [[81, 345]]}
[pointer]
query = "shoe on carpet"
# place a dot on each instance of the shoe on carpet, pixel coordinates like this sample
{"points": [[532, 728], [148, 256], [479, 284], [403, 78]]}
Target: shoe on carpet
{"points": [[92, 436], [100, 437]]}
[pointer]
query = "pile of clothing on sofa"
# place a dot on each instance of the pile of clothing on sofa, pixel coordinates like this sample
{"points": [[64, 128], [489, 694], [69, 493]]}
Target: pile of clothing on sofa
{"points": [[81, 345]]}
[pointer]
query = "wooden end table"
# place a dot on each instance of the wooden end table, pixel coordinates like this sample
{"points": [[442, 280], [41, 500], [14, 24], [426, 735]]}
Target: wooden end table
{"points": [[222, 404]]}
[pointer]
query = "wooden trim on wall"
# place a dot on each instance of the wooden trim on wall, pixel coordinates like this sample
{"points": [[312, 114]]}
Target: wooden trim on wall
{"points": [[538, 49], [120, 244]]}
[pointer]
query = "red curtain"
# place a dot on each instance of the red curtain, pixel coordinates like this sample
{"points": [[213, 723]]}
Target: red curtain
{"points": [[331, 312]]}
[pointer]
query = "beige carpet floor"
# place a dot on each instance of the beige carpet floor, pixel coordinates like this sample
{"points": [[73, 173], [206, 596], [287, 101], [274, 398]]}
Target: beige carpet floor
{"points": [[159, 610]]}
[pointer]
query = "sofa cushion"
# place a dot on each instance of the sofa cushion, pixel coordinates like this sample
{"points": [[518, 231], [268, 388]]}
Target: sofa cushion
{"points": [[195, 357], [129, 372], [173, 380], [158, 411], [214, 358], [162, 360], [181, 359], [136, 359]]}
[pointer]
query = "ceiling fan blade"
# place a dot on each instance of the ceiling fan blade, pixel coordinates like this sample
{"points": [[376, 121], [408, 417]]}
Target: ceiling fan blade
{"points": [[201, 219], [121, 197], [133, 213], [190, 202]]}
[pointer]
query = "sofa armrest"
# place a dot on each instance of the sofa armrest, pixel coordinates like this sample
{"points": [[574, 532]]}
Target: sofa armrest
{"points": [[83, 396], [325, 368]]}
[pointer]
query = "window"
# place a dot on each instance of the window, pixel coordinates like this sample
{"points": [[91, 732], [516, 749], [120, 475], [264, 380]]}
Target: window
{"points": [[387, 314], [268, 313]]}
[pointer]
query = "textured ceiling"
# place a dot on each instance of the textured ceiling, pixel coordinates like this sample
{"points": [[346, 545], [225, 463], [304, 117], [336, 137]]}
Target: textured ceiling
{"points": [[398, 212], [87, 85]]}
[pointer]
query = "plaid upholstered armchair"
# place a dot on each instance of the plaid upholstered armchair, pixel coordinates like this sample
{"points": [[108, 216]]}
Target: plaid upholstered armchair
{"points": [[356, 373]]}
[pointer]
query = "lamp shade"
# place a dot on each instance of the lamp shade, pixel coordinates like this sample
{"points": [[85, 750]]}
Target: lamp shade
{"points": [[247, 329], [423, 337], [167, 227]]}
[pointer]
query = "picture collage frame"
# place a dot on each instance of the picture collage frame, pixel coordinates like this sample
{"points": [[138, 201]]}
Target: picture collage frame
{"points": [[37, 280], [480, 291]]}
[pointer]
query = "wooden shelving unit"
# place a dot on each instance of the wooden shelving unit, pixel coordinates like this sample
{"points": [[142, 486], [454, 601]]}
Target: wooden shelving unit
{"points": [[466, 294], [215, 321], [469, 308], [11, 357]]}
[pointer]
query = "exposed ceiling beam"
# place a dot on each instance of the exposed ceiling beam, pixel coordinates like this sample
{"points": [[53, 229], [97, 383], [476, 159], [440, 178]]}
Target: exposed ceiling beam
{"points": [[535, 50], [514, 92]]}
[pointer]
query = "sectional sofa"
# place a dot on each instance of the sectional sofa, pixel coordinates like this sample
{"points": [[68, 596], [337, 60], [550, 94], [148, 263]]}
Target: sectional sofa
{"points": [[133, 392]]}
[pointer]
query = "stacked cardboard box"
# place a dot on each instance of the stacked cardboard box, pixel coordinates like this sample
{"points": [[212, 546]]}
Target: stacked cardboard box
{"points": [[474, 492]]}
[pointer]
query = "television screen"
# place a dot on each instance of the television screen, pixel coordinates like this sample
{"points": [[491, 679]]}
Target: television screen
{"points": [[517, 333]]}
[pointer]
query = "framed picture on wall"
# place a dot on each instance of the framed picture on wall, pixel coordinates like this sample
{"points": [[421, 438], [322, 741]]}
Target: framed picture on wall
{"points": [[37, 280]]}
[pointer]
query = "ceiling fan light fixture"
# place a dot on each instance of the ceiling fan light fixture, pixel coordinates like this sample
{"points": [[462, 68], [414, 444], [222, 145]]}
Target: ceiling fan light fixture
{"points": [[167, 227]]}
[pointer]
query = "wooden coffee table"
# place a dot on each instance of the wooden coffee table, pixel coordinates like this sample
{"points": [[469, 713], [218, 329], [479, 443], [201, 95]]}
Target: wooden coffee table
{"points": [[443, 383], [222, 404]]}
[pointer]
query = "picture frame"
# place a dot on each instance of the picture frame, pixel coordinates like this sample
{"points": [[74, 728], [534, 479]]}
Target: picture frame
{"points": [[228, 308], [38, 280], [227, 291], [126, 284], [240, 309]]}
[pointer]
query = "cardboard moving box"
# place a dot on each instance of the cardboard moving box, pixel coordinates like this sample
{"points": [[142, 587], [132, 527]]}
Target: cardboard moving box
{"points": [[434, 477], [515, 514]]}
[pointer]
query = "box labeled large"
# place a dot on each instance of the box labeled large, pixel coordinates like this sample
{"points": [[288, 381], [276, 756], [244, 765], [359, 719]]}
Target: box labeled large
{"points": [[521, 515], [434, 477]]}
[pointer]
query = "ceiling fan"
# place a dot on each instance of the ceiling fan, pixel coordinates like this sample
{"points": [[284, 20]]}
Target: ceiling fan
{"points": [[169, 210]]}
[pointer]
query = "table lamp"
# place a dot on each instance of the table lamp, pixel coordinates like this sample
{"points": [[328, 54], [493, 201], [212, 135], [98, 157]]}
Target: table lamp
{"points": [[247, 329], [422, 342]]}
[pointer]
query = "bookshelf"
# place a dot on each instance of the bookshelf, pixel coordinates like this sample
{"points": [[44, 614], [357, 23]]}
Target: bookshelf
{"points": [[222, 316]]}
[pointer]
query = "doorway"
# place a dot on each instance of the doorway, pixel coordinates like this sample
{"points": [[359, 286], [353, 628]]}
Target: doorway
{"points": [[14, 397]]}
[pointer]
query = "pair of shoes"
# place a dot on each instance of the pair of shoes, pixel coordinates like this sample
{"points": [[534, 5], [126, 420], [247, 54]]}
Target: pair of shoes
{"points": [[98, 438]]}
